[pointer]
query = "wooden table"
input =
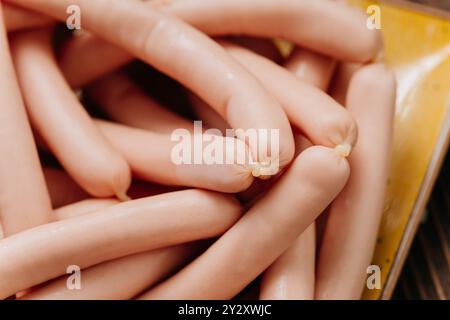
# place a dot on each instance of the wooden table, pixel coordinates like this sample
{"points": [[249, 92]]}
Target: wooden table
{"points": [[426, 273]]}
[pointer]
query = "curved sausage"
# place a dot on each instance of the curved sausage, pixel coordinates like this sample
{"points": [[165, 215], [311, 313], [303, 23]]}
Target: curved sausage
{"points": [[43, 253], [262, 46], [122, 278], [64, 191], [292, 276], [302, 22], [17, 18], [312, 67], [124, 102], [24, 199], [119, 279], [341, 80], [263, 233], [85, 49], [351, 230], [234, 93], [208, 115], [83, 207], [62, 121], [319, 117], [150, 157], [61, 187]]}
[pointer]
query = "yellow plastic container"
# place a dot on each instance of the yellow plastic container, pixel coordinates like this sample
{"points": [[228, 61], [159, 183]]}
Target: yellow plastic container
{"points": [[417, 48]]}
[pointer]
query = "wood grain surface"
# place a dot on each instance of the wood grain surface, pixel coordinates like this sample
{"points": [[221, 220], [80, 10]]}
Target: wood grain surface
{"points": [[443, 4], [426, 273]]}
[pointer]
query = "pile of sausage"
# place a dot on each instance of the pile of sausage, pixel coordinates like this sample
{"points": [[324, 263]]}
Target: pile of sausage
{"points": [[98, 190]]}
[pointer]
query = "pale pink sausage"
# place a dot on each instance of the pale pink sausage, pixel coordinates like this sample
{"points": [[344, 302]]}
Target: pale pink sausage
{"points": [[318, 116], [62, 189], [24, 199], [150, 156], [124, 102], [263, 233], [234, 93], [292, 275], [43, 253], [89, 205], [83, 207], [354, 217], [262, 46], [208, 115], [312, 67], [86, 48], [17, 18], [86, 66], [122, 278], [63, 123], [341, 80], [302, 22]]}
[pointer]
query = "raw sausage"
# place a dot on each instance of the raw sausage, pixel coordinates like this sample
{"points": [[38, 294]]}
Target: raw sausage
{"points": [[43, 253], [63, 123], [354, 217], [264, 232], [24, 199]]}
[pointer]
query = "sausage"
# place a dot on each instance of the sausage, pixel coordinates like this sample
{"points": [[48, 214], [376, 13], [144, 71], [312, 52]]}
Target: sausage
{"points": [[62, 189], [302, 22], [155, 34], [262, 46], [312, 67], [150, 157], [24, 199], [263, 233], [354, 217], [80, 208], [122, 278], [209, 116], [124, 102], [292, 275], [17, 18], [69, 132], [341, 80], [85, 49], [43, 253], [319, 117]]}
